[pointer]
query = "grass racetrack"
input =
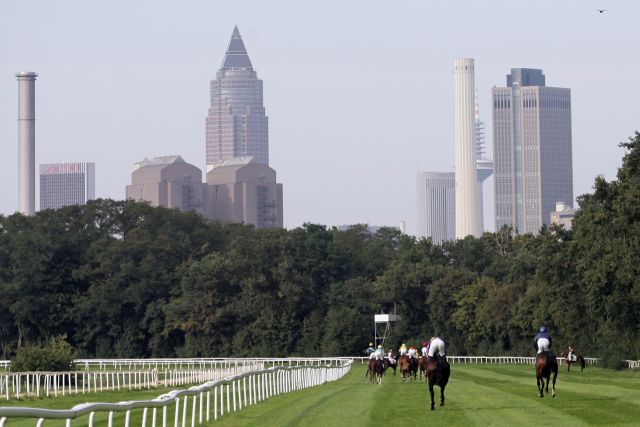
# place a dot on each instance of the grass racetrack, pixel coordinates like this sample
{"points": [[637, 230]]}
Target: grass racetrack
{"points": [[476, 395]]}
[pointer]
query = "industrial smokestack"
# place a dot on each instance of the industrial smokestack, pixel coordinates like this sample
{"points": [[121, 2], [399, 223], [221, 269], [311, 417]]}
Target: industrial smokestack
{"points": [[27, 142], [465, 148]]}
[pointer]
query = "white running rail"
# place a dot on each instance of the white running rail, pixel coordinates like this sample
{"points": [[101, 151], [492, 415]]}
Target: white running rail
{"points": [[499, 360], [210, 400]]}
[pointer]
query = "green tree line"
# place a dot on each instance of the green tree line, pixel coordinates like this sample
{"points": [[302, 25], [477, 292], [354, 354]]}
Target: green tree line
{"points": [[123, 279]]}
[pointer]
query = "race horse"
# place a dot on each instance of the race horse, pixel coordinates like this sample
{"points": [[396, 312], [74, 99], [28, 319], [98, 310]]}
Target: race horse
{"points": [[408, 367], [389, 365], [579, 360], [422, 364], [546, 364], [437, 372], [375, 370]]}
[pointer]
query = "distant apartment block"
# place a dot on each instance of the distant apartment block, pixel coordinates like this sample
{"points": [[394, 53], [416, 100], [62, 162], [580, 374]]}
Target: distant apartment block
{"points": [[238, 190], [563, 215], [436, 206], [532, 150], [66, 184]]}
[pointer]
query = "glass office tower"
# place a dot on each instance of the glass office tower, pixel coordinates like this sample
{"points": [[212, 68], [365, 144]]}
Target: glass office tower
{"points": [[532, 150]]}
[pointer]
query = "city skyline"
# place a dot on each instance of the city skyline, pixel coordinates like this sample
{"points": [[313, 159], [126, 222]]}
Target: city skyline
{"points": [[325, 96]]}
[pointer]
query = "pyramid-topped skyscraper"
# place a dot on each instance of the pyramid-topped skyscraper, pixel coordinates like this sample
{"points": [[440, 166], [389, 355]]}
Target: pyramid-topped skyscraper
{"points": [[237, 126]]}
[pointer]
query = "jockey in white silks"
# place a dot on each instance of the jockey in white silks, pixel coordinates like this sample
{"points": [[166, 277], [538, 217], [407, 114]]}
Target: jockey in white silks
{"points": [[542, 341], [436, 347]]}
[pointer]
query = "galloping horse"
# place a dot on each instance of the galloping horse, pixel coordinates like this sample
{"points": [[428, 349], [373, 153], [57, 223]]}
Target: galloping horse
{"points": [[413, 367], [546, 364], [375, 370], [438, 372], [388, 364], [405, 367], [423, 366], [579, 360]]}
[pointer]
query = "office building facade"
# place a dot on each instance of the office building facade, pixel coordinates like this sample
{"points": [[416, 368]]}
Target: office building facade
{"points": [[245, 191], [66, 184], [237, 125], [436, 206], [532, 150], [169, 182]]}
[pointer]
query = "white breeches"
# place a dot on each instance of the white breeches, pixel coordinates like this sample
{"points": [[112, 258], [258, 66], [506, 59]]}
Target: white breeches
{"points": [[436, 347], [543, 345]]}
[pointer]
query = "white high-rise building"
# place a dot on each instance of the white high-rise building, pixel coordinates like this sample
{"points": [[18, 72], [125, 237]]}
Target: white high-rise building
{"points": [[66, 184], [27, 142], [466, 190], [436, 206]]}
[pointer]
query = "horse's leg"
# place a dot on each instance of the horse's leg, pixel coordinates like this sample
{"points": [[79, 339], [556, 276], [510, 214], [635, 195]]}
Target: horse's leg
{"points": [[540, 386], [442, 395], [553, 385], [568, 366], [433, 404]]}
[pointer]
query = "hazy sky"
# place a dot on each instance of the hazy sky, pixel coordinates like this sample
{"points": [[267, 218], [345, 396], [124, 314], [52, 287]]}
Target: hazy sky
{"points": [[358, 93]]}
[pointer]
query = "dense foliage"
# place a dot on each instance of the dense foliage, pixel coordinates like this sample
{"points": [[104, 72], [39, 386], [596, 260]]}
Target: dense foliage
{"points": [[54, 355], [121, 278]]}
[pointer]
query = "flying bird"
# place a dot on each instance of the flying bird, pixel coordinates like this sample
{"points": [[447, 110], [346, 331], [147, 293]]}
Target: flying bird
{"points": [[601, 11]]}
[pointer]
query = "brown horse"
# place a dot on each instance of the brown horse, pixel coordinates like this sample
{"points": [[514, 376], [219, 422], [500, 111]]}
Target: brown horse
{"points": [[546, 364], [438, 372], [405, 367], [579, 360], [389, 365], [422, 363], [413, 367], [375, 370]]}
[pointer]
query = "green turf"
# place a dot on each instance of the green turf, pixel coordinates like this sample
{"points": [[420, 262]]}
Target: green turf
{"points": [[476, 395]]}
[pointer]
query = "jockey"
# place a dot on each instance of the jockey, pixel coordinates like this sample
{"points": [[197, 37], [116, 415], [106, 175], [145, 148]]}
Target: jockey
{"points": [[370, 350], [413, 352], [424, 349], [390, 357], [436, 347], [571, 355], [379, 353], [403, 349], [542, 341]]}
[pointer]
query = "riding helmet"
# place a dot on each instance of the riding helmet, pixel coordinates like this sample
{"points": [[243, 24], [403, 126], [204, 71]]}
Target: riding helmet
{"points": [[543, 329]]}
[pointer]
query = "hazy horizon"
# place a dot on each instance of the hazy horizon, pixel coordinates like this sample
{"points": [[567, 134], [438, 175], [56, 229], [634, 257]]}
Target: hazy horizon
{"points": [[359, 95]]}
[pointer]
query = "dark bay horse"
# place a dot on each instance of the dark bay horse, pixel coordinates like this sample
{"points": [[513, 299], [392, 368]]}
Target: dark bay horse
{"points": [[422, 363], [438, 372], [579, 360], [375, 370], [389, 365], [546, 364]]}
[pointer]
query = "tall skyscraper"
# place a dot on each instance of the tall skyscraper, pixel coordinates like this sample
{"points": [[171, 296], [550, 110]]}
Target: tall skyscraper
{"points": [[27, 142], [436, 206], [465, 149], [65, 184], [532, 150], [484, 167], [237, 126]]}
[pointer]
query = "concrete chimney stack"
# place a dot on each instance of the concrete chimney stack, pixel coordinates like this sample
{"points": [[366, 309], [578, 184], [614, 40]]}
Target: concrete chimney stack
{"points": [[465, 148], [27, 142]]}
